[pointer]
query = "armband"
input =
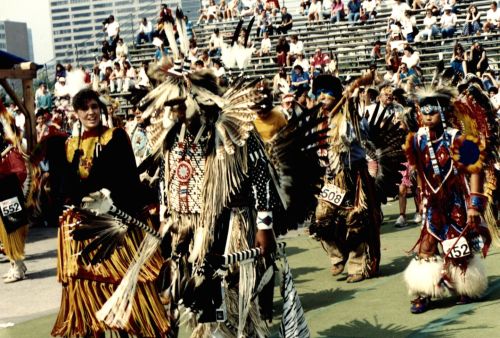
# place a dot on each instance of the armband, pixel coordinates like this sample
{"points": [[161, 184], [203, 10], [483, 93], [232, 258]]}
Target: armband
{"points": [[477, 201], [264, 220]]}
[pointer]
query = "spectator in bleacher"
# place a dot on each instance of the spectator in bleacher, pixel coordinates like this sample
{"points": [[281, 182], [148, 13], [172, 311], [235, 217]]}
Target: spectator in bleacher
{"points": [[368, 10], [418, 4], [105, 62], [492, 18], [116, 78], [199, 65], [396, 39], [281, 82], [160, 52], [318, 61], [143, 78], [265, 45], [488, 81], [60, 88], [353, 11], [259, 7], [410, 57], [106, 48], [398, 10], [264, 24], [304, 6], [326, 9], [193, 54], [232, 9], [376, 53], [272, 6], [165, 13], [409, 26], [430, 27], [451, 3], [43, 98], [495, 98], [301, 61], [296, 47], [286, 22], [282, 49], [314, 12], [406, 76], [205, 58], [472, 24], [448, 23], [433, 7], [218, 69], [389, 76], [337, 12], [392, 59], [478, 60], [121, 49], [130, 76], [145, 32], [112, 29], [457, 60], [211, 13], [248, 7], [223, 10], [60, 72], [299, 78], [215, 43], [333, 66]]}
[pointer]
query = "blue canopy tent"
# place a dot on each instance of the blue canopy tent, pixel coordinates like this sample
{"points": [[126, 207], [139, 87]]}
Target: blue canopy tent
{"points": [[15, 67]]}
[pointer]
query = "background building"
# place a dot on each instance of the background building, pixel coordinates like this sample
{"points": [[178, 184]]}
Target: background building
{"points": [[77, 25], [15, 39]]}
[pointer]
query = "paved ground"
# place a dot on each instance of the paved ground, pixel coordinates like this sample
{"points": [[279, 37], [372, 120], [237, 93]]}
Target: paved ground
{"points": [[374, 308]]}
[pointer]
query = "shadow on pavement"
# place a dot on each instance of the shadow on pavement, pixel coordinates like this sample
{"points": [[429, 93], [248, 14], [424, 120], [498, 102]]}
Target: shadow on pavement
{"points": [[40, 234], [293, 251], [315, 300], [394, 267], [389, 220], [364, 328], [42, 255], [42, 273], [298, 272]]}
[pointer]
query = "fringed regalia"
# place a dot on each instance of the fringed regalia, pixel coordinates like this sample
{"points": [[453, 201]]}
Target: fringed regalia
{"points": [[15, 179], [450, 247], [103, 159], [348, 214]]}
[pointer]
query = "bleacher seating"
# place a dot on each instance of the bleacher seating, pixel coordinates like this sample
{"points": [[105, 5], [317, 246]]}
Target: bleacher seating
{"points": [[351, 44]]}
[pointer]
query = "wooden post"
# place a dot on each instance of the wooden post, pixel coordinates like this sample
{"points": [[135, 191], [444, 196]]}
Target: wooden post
{"points": [[29, 104]]}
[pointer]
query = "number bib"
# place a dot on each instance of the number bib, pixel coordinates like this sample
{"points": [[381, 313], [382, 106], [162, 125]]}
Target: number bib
{"points": [[460, 249], [333, 194], [10, 206]]}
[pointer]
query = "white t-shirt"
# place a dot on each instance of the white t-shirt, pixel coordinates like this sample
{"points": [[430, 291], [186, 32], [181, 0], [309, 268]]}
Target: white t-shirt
{"points": [[216, 41], [411, 60], [314, 8], [148, 28], [266, 44], [219, 72], [448, 21], [296, 48], [428, 22], [493, 17], [398, 11], [112, 28], [304, 64]]}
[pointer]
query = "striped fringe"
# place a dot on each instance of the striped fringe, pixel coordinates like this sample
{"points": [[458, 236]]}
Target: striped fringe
{"points": [[82, 298], [87, 288], [14, 242]]}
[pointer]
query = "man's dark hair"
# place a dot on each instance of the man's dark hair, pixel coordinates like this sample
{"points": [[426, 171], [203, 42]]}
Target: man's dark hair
{"points": [[299, 67], [493, 90], [199, 63]]}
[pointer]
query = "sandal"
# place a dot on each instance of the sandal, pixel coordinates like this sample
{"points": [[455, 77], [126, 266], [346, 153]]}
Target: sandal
{"points": [[420, 305]]}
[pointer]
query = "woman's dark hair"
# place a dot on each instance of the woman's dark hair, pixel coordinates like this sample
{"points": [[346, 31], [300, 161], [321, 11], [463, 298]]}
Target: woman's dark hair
{"points": [[82, 98]]}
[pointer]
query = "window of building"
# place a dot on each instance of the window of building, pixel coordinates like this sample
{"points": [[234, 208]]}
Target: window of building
{"points": [[61, 24], [59, 2], [82, 22], [80, 8], [103, 5], [82, 29], [80, 15], [60, 17], [59, 10]]}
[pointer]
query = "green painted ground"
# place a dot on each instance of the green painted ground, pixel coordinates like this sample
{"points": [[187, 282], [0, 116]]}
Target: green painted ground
{"points": [[374, 308]]}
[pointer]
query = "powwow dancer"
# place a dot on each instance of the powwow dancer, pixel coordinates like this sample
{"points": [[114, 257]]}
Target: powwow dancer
{"points": [[348, 215], [15, 178], [453, 164], [101, 157], [217, 196]]}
